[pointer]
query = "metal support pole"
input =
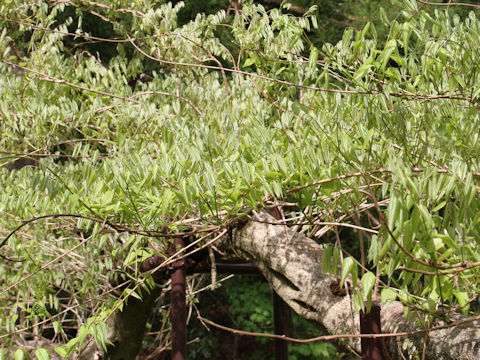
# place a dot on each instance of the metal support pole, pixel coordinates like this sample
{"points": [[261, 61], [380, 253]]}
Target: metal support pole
{"points": [[178, 306], [370, 324], [280, 322], [280, 311]]}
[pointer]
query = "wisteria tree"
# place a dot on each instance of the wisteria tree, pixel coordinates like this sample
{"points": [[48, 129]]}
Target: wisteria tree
{"points": [[112, 147]]}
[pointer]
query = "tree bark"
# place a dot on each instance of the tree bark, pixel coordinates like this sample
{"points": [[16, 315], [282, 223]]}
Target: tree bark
{"points": [[125, 330], [292, 262]]}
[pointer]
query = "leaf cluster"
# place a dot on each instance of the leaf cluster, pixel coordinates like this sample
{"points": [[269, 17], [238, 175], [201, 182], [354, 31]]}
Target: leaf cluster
{"points": [[175, 133]]}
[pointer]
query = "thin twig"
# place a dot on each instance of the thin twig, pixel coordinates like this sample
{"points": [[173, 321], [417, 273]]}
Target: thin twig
{"points": [[341, 336]]}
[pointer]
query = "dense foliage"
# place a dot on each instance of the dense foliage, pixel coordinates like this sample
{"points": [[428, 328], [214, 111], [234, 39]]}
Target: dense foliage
{"points": [[172, 131]]}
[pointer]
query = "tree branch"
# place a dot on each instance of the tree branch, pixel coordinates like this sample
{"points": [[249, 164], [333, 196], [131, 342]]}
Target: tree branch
{"points": [[292, 262]]}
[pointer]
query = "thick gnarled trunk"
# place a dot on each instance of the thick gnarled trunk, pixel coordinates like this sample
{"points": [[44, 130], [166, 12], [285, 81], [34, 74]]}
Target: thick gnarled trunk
{"points": [[292, 265]]}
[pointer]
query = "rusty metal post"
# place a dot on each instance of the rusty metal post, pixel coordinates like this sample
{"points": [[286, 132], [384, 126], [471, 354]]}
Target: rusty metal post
{"points": [[178, 307], [280, 324], [370, 324], [280, 311]]}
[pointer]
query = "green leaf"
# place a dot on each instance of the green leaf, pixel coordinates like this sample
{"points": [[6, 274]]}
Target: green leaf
{"points": [[312, 61], [385, 247], [368, 282], [42, 354], [99, 334], [462, 298], [406, 32], [358, 303], [336, 259], [67, 349], [349, 266], [299, 108], [347, 37], [131, 292], [327, 259], [21, 354], [248, 62], [390, 47], [388, 295], [373, 249], [362, 71], [384, 17], [62, 351], [365, 30], [426, 216], [439, 206]]}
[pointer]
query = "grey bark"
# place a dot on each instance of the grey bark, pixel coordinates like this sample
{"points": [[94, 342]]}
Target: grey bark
{"points": [[292, 265], [125, 330]]}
